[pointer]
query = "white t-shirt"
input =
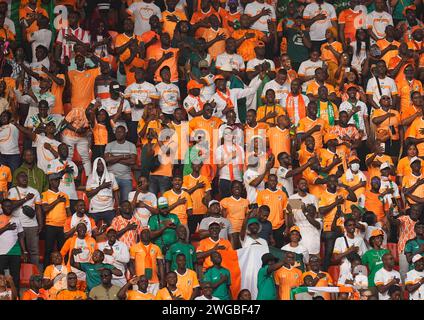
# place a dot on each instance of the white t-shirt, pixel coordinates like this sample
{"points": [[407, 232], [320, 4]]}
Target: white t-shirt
{"points": [[222, 155], [347, 106], [234, 60], [40, 37], [252, 192], [67, 183], [9, 139], [169, 95], [340, 247], [140, 92], [286, 182], [378, 21], [310, 234], [191, 102], [208, 91], [142, 214], [307, 68], [111, 106], [102, 201], [44, 156], [18, 193], [387, 85], [300, 249], [119, 258], [142, 12], [318, 28], [253, 8], [413, 277], [204, 298], [281, 91], [357, 60], [383, 277], [9, 238]]}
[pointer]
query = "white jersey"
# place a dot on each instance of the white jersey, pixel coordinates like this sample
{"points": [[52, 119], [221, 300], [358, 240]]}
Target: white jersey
{"points": [[140, 93], [18, 193], [387, 85], [383, 277], [252, 192], [192, 102], [307, 68], [169, 95], [253, 8], [142, 11], [234, 169], [44, 156], [413, 277], [119, 259], [111, 106], [142, 214], [281, 91], [378, 21], [234, 60], [363, 112], [9, 139], [67, 183], [318, 28], [208, 91]]}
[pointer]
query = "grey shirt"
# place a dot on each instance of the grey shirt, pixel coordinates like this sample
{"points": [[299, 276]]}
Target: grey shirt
{"points": [[225, 231], [121, 171]]}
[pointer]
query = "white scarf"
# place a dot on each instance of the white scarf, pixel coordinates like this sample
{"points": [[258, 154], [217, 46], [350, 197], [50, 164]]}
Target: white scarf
{"points": [[99, 180]]}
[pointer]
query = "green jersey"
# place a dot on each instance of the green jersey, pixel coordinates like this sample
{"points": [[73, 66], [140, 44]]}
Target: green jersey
{"points": [[185, 248], [266, 285], [213, 274], [413, 246], [92, 273], [373, 260], [169, 236]]}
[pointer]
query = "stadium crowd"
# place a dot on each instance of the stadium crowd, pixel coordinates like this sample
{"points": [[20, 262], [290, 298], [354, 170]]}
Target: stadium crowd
{"points": [[211, 149]]}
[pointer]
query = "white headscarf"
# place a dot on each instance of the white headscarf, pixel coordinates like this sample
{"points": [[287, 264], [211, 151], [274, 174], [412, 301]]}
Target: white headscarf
{"points": [[95, 179]]}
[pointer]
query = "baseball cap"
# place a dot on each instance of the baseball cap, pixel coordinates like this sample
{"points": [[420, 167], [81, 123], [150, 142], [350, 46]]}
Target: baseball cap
{"points": [[212, 202], [294, 228], [218, 77], [411, 7], [353, 158], [384, 165], [413, 159], [203, 64], [377, 233], [214, 222], [268, 257], [163, 203], [361, 209], [193, 84], [351, 86], [416, 258], [252, 221]]}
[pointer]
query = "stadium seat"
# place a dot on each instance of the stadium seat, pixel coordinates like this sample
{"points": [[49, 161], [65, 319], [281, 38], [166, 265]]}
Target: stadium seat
{"points": [[27, 270], [42, 249]]}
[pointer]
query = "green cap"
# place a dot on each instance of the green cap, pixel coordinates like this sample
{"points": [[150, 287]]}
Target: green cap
{"points": [[361, 209], [252, 220]]}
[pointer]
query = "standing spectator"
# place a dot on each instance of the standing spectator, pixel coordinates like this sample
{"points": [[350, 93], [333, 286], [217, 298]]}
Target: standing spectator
{"points": [[106, 290], [386, 277]]}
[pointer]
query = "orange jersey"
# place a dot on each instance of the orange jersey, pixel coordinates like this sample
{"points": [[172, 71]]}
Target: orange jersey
{"points": [[414, 132], [207, 244], [277, 202], [307, 124], [198, 195], [246, 49], [279, 141], [146, 257], [328, 198], [82, 83], [181, 210], [236, 210], [287, 279]]}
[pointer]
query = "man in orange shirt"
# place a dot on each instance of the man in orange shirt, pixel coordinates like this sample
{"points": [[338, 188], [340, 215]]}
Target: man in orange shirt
{"points": [[287, 277], [312, 126], [216, 36], [171, 16], [349, 21], [29, 15], [415, 133], [179, 200], [165, 56], [276, 199], [374, 198], [388, 45], [332, 201], [320, 278], [211, 244], [146, 258], [82, 83], [56, 206], [413, 184], [279, 137]]}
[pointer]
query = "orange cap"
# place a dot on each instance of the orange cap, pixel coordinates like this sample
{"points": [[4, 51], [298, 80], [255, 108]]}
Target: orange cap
{"points": [[192, 84], [351, 85], [295, 228], [329, 136], [413, 29], [219, 76], [376, 233], [353, 158], [411, 7]]}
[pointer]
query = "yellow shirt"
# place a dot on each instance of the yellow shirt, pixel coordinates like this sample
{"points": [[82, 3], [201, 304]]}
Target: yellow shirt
{"points": [[57, 216], [181, 210], [186, 283]]}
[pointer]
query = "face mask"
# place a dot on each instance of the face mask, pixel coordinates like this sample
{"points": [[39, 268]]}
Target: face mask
{"points": [[354, 167]]}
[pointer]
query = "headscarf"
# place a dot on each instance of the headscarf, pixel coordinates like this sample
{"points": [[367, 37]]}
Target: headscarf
{"points": [[94, 178]]}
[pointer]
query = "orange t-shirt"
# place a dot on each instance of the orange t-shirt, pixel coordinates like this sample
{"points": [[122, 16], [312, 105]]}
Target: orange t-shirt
{"points": [[393, 121], [307, 123], [165, 168], [138, 295], [404, 167], [246, 49], [5, 179], [169, 26], [218, 47], [57, 91], [200, 15], [327, 55], [187, 282], [171, 63], [383, 44], [324, 282], [356, 180], [25, 11], [405, 89], [311, 176], [197, 196], [181, 210], [351, 20], [71, 295], [31, 295], [287, 279], [409, 180], [313, 87], [57, 216], [228, 16], [82, 83], [260, 130], [122, 39], [277, 202], [414, 132], [375, 171], [393, 63], [207, 244], [328, 198], [374, 204], [236, 210], [279, 141], [138, 252]]}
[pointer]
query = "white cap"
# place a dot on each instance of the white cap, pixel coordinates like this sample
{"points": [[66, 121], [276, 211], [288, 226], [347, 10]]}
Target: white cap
{"points": [[416, 258], [384, 165], [162, 202], [413, 159], [212, 202]]}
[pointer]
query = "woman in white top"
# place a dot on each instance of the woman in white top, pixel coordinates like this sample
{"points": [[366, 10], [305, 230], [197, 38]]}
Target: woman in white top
{"points": [[102, 190], [360, 48]]}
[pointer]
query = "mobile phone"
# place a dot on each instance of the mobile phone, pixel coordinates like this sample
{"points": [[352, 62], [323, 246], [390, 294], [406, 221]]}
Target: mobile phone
{"points": [[383, 145]]}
